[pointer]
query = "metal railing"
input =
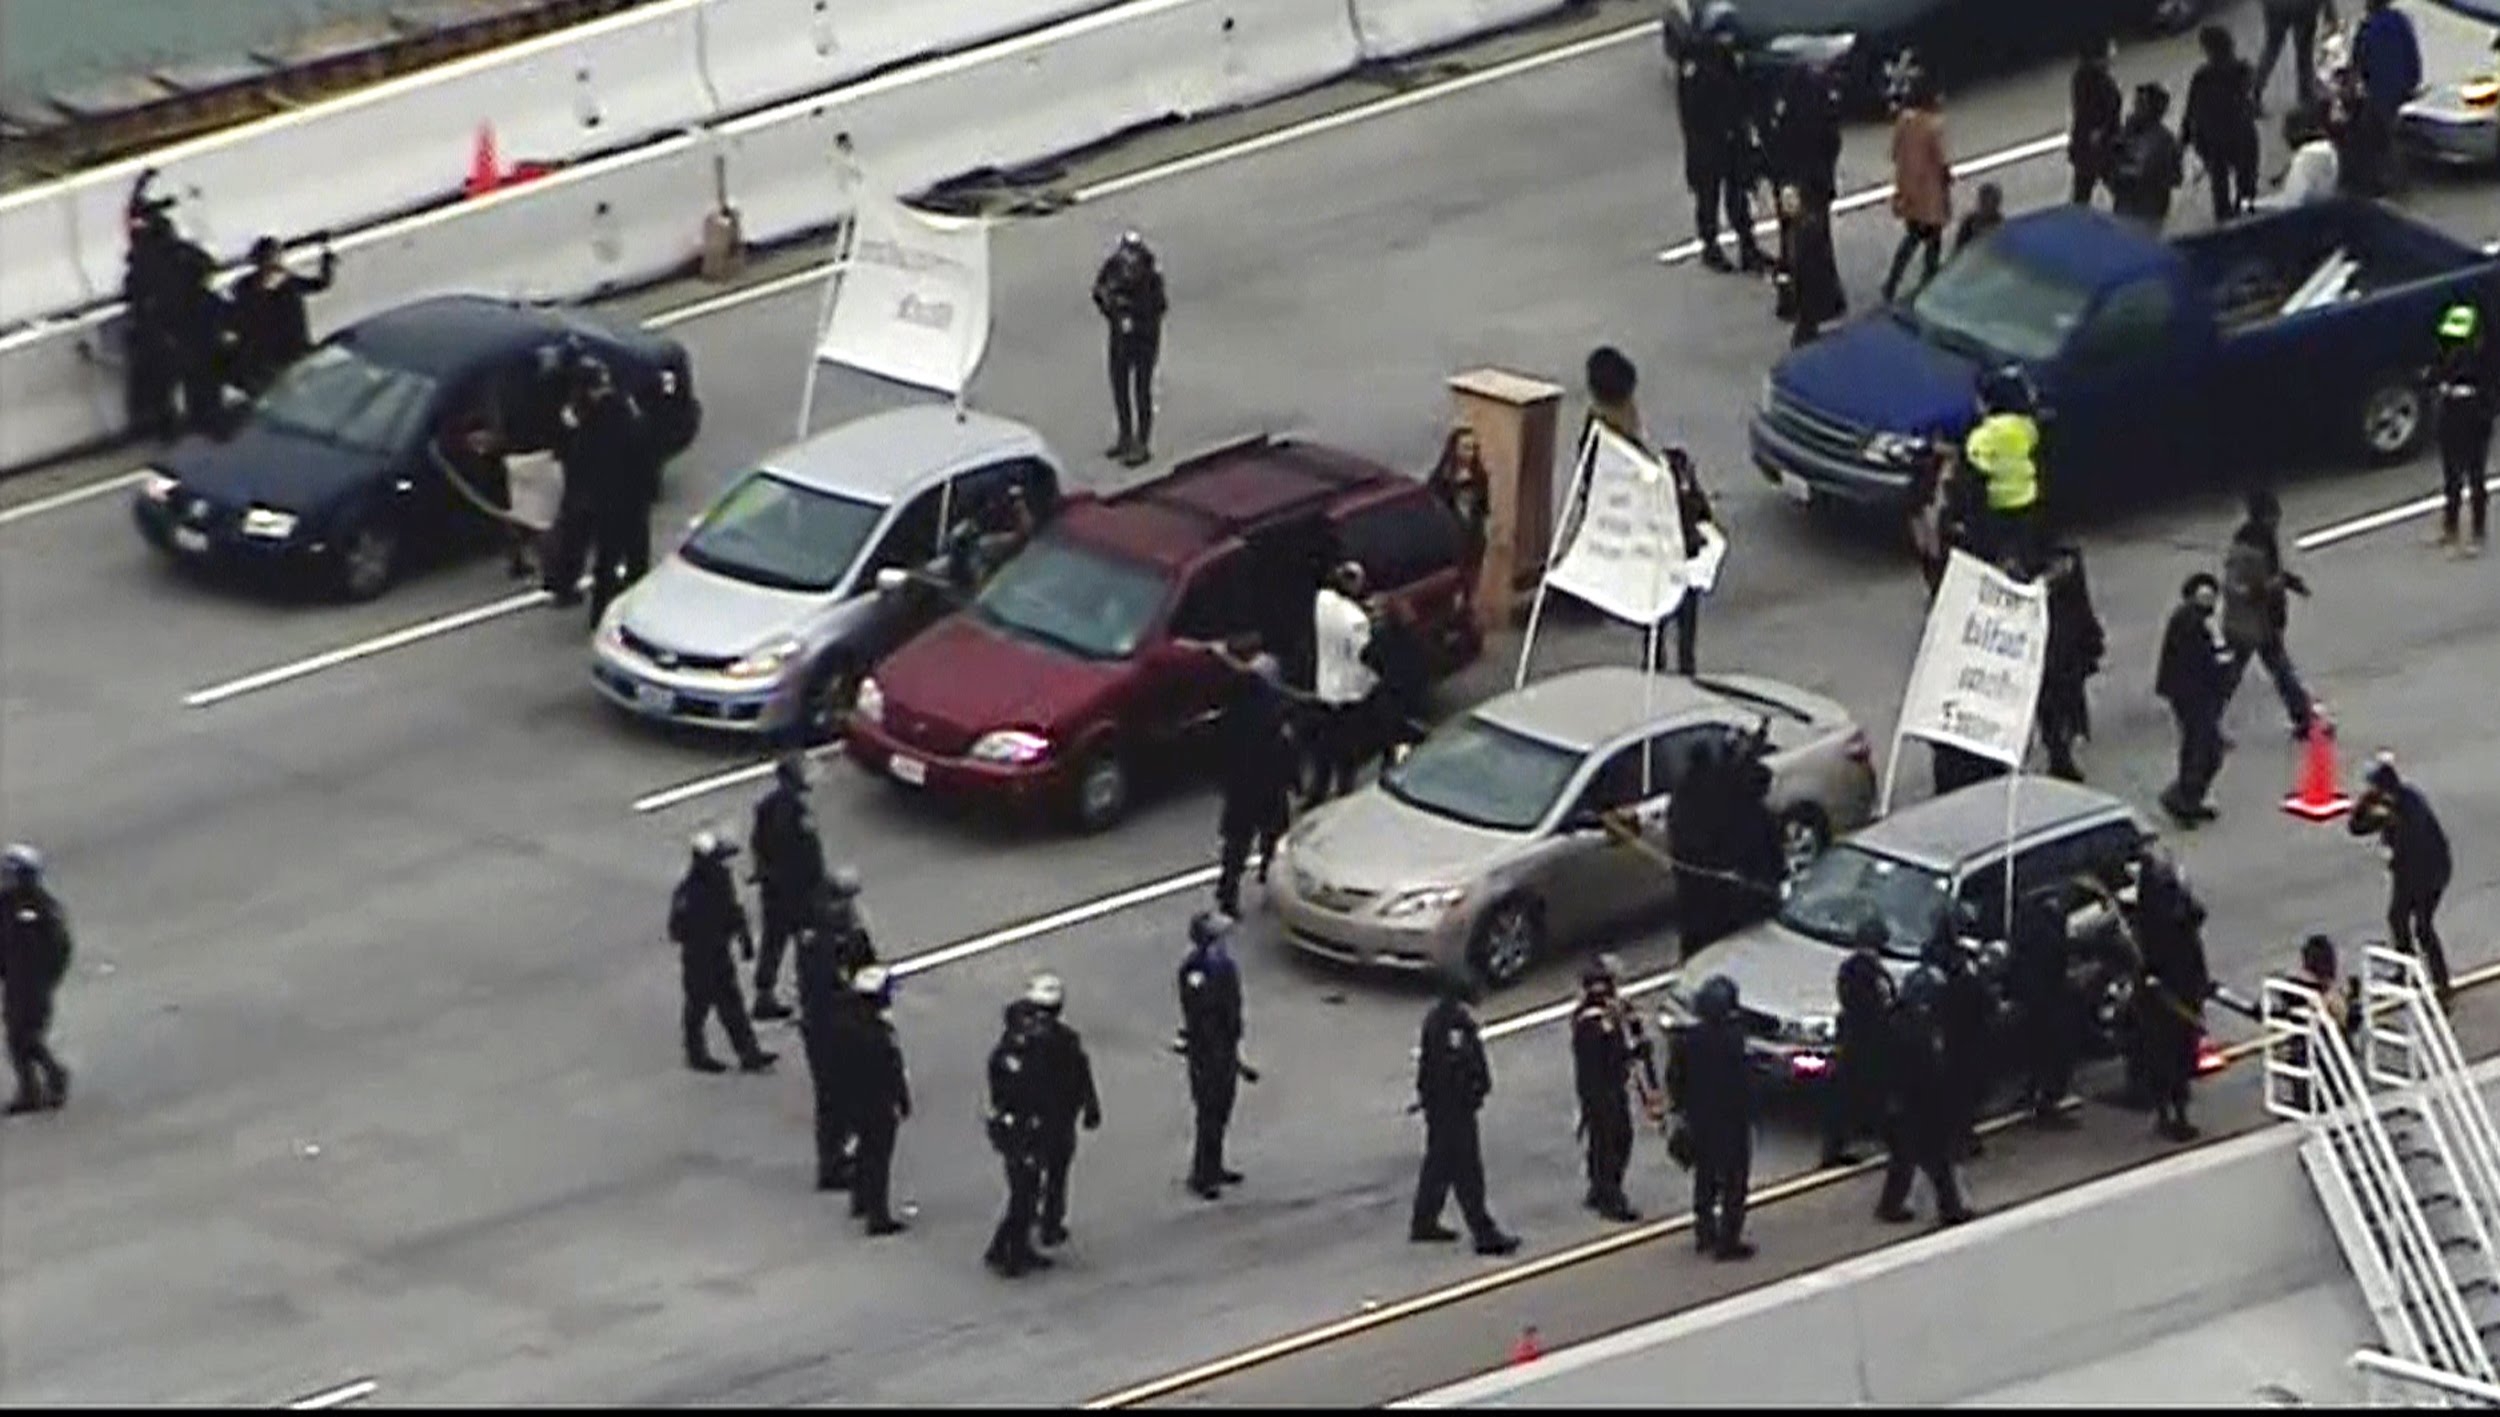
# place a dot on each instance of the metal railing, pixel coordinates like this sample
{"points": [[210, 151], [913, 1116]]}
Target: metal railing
{"points": [[2411, 1385], [2405, 1022]]}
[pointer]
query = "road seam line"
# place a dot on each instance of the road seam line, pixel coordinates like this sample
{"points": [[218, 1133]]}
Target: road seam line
{"points": [[363, 649], [38, 506]]}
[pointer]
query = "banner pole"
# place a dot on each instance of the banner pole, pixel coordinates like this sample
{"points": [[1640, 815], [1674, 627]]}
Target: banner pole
{"points": [[1892, 774], [1553, 553], [2013, 795]]}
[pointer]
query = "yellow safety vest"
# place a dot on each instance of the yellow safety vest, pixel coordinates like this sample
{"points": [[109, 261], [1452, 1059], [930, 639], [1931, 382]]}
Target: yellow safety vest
{"points": [[2003, 448]]}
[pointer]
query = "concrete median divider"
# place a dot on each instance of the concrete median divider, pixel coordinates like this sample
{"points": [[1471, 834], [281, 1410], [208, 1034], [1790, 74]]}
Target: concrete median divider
{"points": [[1393, 29], [762, 52], [60, 386]]}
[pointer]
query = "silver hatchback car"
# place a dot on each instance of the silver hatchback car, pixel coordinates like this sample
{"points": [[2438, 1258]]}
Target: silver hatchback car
{"points": [[1488, 842], [765, 617]]}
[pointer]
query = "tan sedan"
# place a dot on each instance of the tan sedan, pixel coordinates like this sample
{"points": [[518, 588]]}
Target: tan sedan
{"points": [[1489, 845]]}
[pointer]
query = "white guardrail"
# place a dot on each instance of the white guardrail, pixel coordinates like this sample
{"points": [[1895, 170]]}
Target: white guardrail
{"points": [[637, 109]]}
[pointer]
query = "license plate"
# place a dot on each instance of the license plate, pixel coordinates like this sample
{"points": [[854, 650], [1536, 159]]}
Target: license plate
{"points": [[191, 539], [654, 700], [909, 771], [1796, 487]]}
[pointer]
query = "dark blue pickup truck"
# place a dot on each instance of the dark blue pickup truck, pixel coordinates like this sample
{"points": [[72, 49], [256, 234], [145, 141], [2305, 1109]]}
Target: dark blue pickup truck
{"points": [[2283, 339]]}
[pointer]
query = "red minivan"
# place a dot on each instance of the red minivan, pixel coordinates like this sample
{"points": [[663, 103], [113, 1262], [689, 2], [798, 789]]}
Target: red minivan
{"points": [[1070, 669]]}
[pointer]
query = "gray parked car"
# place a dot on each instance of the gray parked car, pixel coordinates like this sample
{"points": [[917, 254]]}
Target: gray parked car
{"points": [[811, 568], [1937, 869], [1486, 845]]}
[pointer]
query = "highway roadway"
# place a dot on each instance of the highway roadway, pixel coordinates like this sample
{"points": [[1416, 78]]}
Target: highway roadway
{"points": [[373, 1021]]}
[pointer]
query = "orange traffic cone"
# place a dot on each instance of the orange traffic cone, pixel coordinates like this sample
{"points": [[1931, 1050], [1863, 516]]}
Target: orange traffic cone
{"points": [[2316, 798], [485, 168], [2210, 1059], [1526, 1349]]}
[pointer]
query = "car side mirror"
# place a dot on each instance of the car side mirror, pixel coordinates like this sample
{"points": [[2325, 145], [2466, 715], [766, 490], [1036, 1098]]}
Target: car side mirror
{"points": [[1584, 819], [892, 579]]}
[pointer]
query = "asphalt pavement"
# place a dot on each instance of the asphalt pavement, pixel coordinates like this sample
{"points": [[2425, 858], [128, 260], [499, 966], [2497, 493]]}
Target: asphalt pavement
{"points": [[374, 1024]]}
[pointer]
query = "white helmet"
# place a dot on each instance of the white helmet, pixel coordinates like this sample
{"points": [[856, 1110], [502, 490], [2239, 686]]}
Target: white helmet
{"points": [[710, 844], [21, 862], [1045, 992]]}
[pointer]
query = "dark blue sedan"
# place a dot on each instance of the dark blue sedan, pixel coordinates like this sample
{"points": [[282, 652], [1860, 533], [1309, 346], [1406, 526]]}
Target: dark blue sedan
{"points": [[376, 449]]}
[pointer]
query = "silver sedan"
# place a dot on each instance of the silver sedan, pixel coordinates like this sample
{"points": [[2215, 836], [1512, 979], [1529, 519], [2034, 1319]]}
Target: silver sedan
{"points": [[1491, 841]]}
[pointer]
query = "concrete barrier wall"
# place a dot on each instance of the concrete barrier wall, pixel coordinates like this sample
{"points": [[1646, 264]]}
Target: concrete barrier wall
{"points": [[761, 52], [1393, 29]]}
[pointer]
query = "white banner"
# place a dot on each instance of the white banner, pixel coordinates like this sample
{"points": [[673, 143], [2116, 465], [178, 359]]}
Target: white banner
{"points": [[1977, 680], [913, 303], [1626, 556]]}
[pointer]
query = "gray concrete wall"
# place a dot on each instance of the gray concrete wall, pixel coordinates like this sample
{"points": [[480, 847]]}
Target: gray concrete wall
{"points": [[2047, 1287]]}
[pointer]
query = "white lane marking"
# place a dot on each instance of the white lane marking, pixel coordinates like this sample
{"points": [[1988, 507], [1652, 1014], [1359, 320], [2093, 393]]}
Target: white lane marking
{"points": [[1058, 920], [339, 1396], [668, 797], [1554, 1012], [72, 497], [1858, 201], [1330, 122], [363, 649], [736, 298], [2378, 521]]}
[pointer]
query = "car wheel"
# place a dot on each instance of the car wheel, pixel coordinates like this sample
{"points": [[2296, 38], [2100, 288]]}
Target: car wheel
{"points": [[1102, 791], [1803, 835], [1509, 939], [825, 707], [368, 559], [2394, 420]]}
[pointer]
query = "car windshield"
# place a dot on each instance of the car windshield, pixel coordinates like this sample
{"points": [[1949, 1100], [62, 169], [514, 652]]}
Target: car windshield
{"points": [[1074, 599], [1848, 885], [776, 533], [1990, 304], [1483, 774], [339, 396]]}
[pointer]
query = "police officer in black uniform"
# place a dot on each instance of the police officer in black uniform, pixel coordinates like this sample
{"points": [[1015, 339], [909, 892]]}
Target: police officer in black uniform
{"points": [[2170, 997], [1069, 1099], [704, 918], [1452, 1080], [1210, 990], [1019, 1078], [1855, 1087], [1712, 1080], [2050, 1007], [1918, 1104], [833, 1022], [1258, 767], [271, 330], [1719, 153], [1606, 1045], [152, 360], [34, 958], [789, 872], [1964, 1018], [2419, 864], [871, 1059], [1128, 290]]}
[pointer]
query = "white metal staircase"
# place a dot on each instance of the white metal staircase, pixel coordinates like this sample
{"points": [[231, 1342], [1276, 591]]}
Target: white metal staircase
{"points": [[2406, 1162]]}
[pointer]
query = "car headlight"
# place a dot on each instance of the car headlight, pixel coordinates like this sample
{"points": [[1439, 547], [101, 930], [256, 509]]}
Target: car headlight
{"points": [[1816, 1030], [1894, 448], [765, 662], [268, 524], [1424, 901], [1762, 400], [1011, 745], [869, 702], [158, 486]]}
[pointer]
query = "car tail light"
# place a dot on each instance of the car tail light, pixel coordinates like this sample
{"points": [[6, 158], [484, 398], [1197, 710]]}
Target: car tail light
{"points": [[1861, 751], [1808, 1065], [2209, 1059]]}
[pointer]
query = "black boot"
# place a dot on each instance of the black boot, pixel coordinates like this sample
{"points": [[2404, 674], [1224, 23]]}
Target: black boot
{"points": [[705, 1063]]}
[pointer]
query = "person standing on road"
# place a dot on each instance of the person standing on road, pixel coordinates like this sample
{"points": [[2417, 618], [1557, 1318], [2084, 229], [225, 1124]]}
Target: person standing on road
{"points": [[1718, 142], [1756, 842], [2388, 57], [789, 873], [1809, 275], [1855, 1087], [1401, 662], [1018, 1076], [833, 1023], [2002, 450], [151, 358], [2052, 1015], [2256, 608], [1342, 682], [271, 330], [611, 480], [2146, 169], [1964, 1025], [1452, 1080], [2220, 123], [1922, 185], [882, 1095], [1210, 1041], [34, 959], [1613, 386], [704, 918], [2466, 378], [2170, 997], [1803, 150], [1712, 1082], [2094, 109], [2193, 677], [1692, 508], [1606, 1045], [1461, 483], [1128, 290], [1068, 1099], [2296, 20], [2073, 655], [1255, 765], [2418, 863], [1701, 815], [1918, 1105]]}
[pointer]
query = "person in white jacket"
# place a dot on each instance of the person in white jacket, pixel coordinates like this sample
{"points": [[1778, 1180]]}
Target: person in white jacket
{"points": [[1341, 681]]}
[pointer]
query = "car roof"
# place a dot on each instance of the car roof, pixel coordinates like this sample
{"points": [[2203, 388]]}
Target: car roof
{"points": [[887, 457], [1967, 825], [445, 334], [1586, 709], [2084, 242], [1215, 496]]}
